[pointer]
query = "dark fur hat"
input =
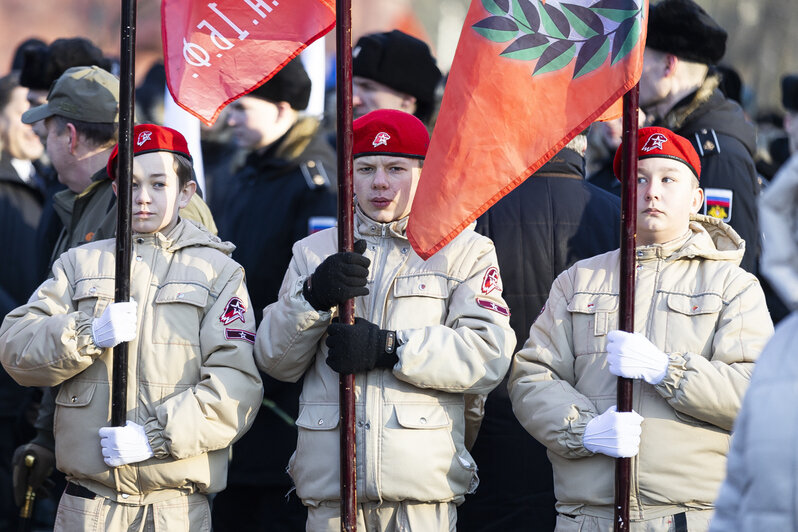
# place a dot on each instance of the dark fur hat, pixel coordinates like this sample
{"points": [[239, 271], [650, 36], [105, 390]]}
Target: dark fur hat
{"points": [[42, 66], [401, 62], [291, 84], [789, 92], [684, 29]]}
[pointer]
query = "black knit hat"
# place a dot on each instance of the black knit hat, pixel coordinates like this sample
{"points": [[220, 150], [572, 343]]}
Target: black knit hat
{"points": [[401, 62], [42, 66], [291, 84], [789, 92], [684, 29]]}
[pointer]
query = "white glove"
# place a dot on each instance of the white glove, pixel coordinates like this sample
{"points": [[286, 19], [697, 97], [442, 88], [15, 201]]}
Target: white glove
{"points": [[124, 445], [117, 324], [633, 356], [614, 433]]}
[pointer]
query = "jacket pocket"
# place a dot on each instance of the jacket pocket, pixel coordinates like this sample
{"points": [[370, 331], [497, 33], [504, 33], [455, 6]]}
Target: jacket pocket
{"points": [[75, 394], [93, 294], [594, 315], [419, 437], [422, 285], [312, 467], [418, 300], [178, 312], [692, 321]]}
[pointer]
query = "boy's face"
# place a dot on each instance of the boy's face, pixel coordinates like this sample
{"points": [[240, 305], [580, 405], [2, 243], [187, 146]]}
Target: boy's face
{"points": [[385, 185], [666, 196], [156, 194]]}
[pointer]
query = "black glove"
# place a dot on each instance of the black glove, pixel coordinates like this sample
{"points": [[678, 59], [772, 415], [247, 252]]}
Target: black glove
{"points": [[360, 347], [340, 277], [36, 476]]}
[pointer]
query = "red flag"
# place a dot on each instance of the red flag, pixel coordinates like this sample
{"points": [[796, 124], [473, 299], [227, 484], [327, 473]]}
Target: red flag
{"points": [[527, 77], [215, 52]]}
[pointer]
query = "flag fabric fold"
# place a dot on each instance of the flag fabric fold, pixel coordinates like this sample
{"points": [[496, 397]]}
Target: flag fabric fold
{"points": [[215, 52], [527, 77]]}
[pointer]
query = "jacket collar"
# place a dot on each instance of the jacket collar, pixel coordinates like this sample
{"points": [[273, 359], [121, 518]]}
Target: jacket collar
{"points": [[185, 234], [707, 237], [365, 226]]}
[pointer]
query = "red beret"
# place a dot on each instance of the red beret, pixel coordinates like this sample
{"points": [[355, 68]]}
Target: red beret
{"points": [[389, 132], [148, 138], [661, 142]]}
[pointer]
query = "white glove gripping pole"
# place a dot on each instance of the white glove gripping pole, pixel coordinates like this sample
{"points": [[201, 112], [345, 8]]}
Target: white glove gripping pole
{"points": [[633, 356], [124, 445], [614, 433], [117, 324]]}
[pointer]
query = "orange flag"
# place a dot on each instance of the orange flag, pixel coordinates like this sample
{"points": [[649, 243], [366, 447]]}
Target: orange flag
{"points": [[527, 77], [215, 52]]}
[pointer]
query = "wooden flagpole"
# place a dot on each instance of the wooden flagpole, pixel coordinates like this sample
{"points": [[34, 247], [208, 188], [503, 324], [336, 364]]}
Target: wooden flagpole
{"points": [[627, 288], [346, 215]]}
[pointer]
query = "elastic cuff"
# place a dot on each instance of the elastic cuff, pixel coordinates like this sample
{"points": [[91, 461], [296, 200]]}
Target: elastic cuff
{"points": [[158, 443], [674, 373]]}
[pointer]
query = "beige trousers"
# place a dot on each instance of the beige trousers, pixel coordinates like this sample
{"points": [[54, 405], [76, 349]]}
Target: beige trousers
{"points": [[387, 517], [184, 513], [697, 521]]}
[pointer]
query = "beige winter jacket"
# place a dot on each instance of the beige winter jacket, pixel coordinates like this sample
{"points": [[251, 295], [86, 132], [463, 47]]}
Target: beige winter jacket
{"points": [[453, 327], [192, 380], [693, 302]]}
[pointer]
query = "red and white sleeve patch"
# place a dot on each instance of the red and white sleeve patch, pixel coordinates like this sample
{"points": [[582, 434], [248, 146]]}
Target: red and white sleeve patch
{"points": [[490, 305], [234, 310], [491, 280], [239, 334]]}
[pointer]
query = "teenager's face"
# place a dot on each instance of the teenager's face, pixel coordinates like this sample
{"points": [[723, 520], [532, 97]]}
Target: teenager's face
{"points": [[385, 185], [369, 95], [156, 194], [666, 196]]}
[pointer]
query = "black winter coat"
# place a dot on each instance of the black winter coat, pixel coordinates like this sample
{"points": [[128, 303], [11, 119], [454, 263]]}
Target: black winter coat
{"points": [[726, 142], [541, 228], [265, 210]]}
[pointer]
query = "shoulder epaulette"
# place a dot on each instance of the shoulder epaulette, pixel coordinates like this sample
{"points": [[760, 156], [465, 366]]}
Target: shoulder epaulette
{"points": [[706, 142], [315, 174]]}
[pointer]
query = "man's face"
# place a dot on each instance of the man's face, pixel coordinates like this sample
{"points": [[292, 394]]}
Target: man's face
{"points": [[369, 95], [653, 86], [18, 138], [385, 185], [58, 145], [156, 194], [253, 122], [666, 196]]}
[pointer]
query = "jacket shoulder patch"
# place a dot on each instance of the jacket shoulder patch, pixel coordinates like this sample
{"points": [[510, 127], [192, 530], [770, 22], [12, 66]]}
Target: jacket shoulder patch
{"points": [[706, 142], [314, 173], [718, 203]]}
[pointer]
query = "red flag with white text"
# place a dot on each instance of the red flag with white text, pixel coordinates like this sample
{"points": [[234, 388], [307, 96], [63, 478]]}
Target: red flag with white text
{"points": [[527, 77], [215, 52]]}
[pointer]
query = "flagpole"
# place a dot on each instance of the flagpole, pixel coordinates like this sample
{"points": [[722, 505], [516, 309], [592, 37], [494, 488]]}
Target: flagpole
{"points": [[627, 288], [123, 204], [346, 214]]}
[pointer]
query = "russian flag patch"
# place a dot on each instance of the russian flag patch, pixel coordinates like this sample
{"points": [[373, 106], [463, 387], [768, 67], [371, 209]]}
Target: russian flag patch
{"points": [[718, 203]]}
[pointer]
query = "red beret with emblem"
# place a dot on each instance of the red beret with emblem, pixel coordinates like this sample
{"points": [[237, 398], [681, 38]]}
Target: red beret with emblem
{"points": [[148, 138], [661, 142], [389, 132]]}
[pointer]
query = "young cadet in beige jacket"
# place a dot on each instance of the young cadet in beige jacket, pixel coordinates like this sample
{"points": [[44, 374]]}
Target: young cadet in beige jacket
{"points": [[193, 387], [426, 333], [700, 322]]}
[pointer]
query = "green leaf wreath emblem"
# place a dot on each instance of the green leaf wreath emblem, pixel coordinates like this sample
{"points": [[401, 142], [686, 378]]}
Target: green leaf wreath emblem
{"points": [[555, 32]]}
